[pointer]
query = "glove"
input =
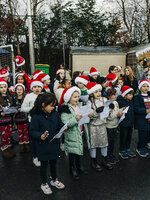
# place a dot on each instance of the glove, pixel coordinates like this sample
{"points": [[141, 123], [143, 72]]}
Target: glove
{"points": [[100, 109], [111, 106]]}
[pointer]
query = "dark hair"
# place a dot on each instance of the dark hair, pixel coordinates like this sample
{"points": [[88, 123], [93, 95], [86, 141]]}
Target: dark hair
{"points": [[75, 74], [3, 103], [46, 98], [101, 80], [64, 81], [110, 92], [145, 64], [112, 67], [25, 82]]}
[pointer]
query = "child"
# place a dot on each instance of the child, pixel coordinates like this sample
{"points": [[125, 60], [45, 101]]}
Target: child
{"points": [[74, 76], [27, 105], [93, 75], [70, 110], [97, 126], [81, 82], [118, 71], [45, 78], [46, 120], [120, 81], [21, 119], [112, 69], [112, 124], [60, 75], [23, 78], [126, 126], [5, 121], [141, 109], [103, 82]]}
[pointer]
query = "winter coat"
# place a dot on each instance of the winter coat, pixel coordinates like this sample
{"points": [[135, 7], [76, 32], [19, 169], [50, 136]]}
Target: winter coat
{"points": [[133, 85], [128, 121], [140, 113], [40, 123], [73, 137]]}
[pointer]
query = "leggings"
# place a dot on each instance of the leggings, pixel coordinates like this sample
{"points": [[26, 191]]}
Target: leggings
{"points": [[6, 136], [23, 134], [103, 152], [43, 170]]}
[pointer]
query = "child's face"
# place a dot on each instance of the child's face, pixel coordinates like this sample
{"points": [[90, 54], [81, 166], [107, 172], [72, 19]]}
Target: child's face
{"points": [[80, 85], [67, 84], [20, 79], [19, 90], [36, 89], [95, 76], [120, 82], [3, 89], [62, 75], [47, 82], [112, 97], [116, 70], [6, 78], [129, 96], [49, 108], [74, 98], [105, 84], [97, 94], [145, 88]]}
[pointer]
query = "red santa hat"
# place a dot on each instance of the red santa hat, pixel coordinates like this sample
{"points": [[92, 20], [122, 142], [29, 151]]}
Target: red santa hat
{"points": [[19, 61], [60, 71], [119, 67], [125, 90], [36, 82], [36, 73], [3, 72], [43, 77], [111, 78], [93, 71], [92, 87], [82, 79], [3, 82], [67, 93], [142, 82], [20, 84], [19, 74]]}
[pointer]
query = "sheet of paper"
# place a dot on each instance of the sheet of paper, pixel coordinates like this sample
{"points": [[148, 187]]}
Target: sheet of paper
{"points": [[123, 116], [147, 116], [85, 111], [84, 99], [106, 110], [10, 110]]}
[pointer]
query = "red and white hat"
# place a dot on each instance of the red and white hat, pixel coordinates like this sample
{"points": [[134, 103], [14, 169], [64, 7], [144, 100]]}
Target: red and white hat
{"points": [[19, 74], [125, 90], [92, 87], [82, 79], [36, 73], [67, 93], [142, 82], [93, 71], [119, 67], [19, 61], [60, 71], [3, 72], [3, 82], [20, 84], [111, 78], [43, 77], [36, 82]]}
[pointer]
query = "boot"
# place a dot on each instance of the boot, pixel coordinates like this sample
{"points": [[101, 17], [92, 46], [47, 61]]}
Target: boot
{"points": [[6, 153], [72, 166], [12, 152], [27, 147], [95, 165], [73, 172], [106, 164], [79, 165], [22, 148]]}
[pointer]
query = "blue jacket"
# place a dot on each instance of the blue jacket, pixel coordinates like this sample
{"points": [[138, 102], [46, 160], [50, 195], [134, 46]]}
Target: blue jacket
{"points": [[39, 124], [129, 116], [140, 113]]}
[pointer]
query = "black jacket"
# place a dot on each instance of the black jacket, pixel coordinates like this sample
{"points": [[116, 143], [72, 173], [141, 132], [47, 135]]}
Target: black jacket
{"points": [[134, 85]]}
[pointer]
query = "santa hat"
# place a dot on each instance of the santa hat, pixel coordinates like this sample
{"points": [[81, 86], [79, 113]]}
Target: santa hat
{"points": [[119, 67], [82, 79], [43, 77], [111, 78], [36, 73], [67, 93], [3, 82], [93, 71], [19, 74], [20, 84], [36, 82], [125, 90], [142, 82], [3, 72], [92, 87], [19, 61], [60, 71]]}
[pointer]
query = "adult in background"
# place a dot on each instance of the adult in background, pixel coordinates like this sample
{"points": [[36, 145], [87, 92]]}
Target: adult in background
{"points": [[139, 69], [129, 78]]}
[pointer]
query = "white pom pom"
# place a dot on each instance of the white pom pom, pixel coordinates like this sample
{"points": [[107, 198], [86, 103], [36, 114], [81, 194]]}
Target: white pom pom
{"points": [[17, 59]]}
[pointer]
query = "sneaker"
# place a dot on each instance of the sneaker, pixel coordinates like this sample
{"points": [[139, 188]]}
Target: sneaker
{"points": [[148, 145], [123, 155], [46, 189], [130, 153], [36, 162], [141, 152], [146, 152], [57, 184], [116, 160]]}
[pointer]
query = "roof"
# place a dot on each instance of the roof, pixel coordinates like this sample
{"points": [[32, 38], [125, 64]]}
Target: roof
{"points": [[3, 51], [97, 50], [140, 49]]}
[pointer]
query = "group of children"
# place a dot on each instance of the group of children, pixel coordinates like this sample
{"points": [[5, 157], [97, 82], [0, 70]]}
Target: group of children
{"points": [[34, 102]]}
